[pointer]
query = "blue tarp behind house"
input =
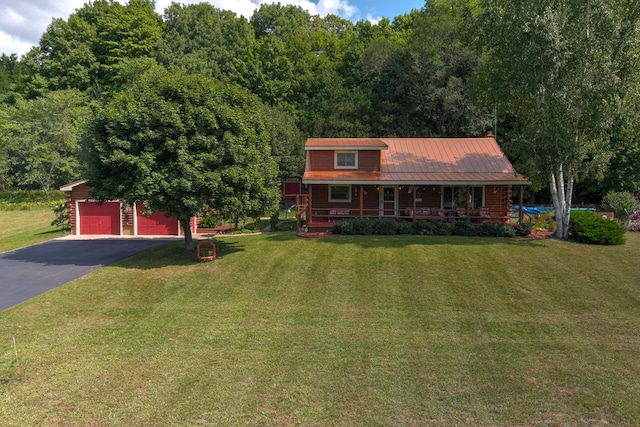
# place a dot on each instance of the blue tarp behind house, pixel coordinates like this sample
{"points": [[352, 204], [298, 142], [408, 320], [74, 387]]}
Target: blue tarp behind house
{"points": [[537, 210]]}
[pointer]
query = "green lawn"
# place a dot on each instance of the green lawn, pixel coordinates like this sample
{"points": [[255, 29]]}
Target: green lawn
{"points": [[23, 228], [339, 331]]}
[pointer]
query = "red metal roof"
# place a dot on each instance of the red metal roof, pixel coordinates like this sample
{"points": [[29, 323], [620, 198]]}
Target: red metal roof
{"points": [[424, 161], [344, 143]]}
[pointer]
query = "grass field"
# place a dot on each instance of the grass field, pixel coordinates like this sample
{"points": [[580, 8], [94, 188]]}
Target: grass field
{"points": [[23, 228], [342, 331]]}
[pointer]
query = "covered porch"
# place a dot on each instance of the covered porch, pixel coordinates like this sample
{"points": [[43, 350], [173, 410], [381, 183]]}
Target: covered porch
{"points": [[326, 204]]}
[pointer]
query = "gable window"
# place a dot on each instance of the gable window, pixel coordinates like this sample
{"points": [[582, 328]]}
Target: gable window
{"points": [[339, 193], [346, 160]]}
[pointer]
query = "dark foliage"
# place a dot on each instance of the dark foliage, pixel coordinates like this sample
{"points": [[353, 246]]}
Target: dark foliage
{"points": [[464, 228], [523, 229]]}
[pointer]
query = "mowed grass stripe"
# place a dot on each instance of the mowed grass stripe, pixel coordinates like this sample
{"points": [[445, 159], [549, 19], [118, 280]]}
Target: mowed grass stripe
{"points": [[339, 331]]}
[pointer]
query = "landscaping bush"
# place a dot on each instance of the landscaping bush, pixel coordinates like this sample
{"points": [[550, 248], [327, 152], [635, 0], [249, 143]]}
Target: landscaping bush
{"points": [[427, 228], [589, 227], [634, 221], [386, 227], [342, 227], [523, 229], [210, 220], [442, 228], [487, 229], [362, 226], [406, 228], [545, 222], [61, 216], [622, 204], [464, 228], [424, 227], [504, 230], [357, 226]]}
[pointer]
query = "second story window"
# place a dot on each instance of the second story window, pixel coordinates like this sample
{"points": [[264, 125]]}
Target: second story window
{"points": [[346, 160]]}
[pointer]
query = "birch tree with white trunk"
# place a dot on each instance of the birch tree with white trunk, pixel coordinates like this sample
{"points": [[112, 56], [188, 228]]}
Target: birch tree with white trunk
{"points": [[559, 70]]}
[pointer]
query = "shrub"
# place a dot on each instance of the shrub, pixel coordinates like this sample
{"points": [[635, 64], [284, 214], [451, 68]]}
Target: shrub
{"points": [[386, 227], [424, 227], [406, 228], [523, 229], [343, 227], [61, 216], [504, 230], [442, 228], [546, 221], [362, 226], [357, 226], [487, 229], [464, 228], [622, 204], [589, 227], [210, 220]]}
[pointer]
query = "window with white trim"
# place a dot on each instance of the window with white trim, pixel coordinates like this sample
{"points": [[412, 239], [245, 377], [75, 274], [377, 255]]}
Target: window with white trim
{"points": [[456, 197], [339, 193], [346, 160]]}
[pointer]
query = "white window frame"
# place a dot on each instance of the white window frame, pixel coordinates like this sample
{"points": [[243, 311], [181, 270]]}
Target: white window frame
{"points": [[331, 199], [335, 159], [472, 188]]}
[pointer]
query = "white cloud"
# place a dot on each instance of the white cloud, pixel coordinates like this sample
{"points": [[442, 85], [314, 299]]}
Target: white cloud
{"points": [[373, 20], [23, 22]]}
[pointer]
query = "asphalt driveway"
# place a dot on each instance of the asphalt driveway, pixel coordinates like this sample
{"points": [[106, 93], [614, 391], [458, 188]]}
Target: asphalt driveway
{"points": [[31, 271]]}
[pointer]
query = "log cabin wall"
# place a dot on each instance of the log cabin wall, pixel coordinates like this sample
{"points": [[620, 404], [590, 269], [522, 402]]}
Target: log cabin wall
{"points": [[498, 199], [324, 160], [429, 196], [79, 192]]}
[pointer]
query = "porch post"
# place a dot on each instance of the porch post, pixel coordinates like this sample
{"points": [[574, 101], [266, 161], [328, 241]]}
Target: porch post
{"points": [[309, 208], [361, 201], [299, 203], [521, 213], [468, 207], [413, 212]]}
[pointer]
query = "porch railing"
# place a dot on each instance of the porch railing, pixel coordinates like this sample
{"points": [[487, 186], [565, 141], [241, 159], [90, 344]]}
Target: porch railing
{"points": [[328, 215]]}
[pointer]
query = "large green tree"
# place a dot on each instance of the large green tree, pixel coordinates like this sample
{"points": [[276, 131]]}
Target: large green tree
{"points": [[560, 69], [39, 139], [90, 48], [202, 39], [183, 144]]}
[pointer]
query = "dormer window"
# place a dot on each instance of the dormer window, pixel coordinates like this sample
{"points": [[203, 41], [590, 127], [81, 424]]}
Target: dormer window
{"points": [[346, 160]]}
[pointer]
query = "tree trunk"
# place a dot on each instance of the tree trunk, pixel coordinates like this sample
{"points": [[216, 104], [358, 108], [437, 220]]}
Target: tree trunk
{"points": [[562, 193], [188, 237]]}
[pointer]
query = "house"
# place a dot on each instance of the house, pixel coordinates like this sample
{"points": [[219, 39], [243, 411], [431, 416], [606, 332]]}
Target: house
{"points": [[86, 216], [406, 179]]}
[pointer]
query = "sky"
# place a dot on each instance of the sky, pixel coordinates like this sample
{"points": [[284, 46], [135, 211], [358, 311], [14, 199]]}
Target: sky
{"points": [[22, 22]]}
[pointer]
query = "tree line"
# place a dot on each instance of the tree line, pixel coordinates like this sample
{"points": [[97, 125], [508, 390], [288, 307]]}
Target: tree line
{"points": [[557, 82]]}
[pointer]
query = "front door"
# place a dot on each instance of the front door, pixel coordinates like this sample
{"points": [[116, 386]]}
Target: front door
{"points": [[388, 201]]}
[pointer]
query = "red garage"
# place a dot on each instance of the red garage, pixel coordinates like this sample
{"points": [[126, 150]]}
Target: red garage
{"points": [[156, 224], [98, 218], [112, 218]]}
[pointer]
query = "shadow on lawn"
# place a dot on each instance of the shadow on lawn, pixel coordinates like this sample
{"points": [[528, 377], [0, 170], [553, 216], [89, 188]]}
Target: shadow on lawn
{"points": [[174, 254]]}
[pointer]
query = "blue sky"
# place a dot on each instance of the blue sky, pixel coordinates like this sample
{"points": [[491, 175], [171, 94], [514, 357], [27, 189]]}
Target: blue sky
{"points": [[22, 22], [387, 9]]}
